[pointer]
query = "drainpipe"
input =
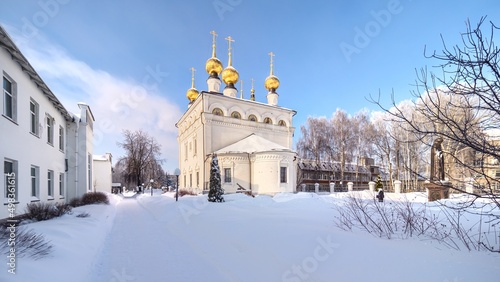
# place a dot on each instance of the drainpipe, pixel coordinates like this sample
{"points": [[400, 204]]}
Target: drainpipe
{"points": [[76, 157]]}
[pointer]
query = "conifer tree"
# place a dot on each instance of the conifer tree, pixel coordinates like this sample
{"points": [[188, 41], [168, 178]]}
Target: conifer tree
{"points": [[378, 184], [215, 193]]}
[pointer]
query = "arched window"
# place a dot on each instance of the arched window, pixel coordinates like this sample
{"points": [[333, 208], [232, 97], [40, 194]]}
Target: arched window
{"points": [[268, 120], [252, 118], [236, 115], [281, 123], [217, 112]]}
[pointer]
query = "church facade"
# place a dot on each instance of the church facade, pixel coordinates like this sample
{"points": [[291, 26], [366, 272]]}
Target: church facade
{"points": [[252, 140]]}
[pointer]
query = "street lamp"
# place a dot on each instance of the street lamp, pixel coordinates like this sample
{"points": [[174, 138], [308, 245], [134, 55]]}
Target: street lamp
{"points": [[151, 186], [177, 172]]}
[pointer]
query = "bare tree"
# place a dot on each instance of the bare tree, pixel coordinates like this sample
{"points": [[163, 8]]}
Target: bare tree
{"points": [[462, 106], [342, 139], [314, 141], [142, 160]]}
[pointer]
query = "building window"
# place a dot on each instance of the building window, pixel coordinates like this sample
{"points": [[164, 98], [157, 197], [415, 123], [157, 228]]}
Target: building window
{"points": [[50, 184], [283, 177], [268, 120], [198, 179], [236, 115], [281, 123], [9, 99], [227, 175], [34, 117], [252, 118], [185, 180], [195, 147], [61, 184], [34, 181], [217, 112], [50, 129], [10, 182], [89, 171], [185, 151], [61, 138]]}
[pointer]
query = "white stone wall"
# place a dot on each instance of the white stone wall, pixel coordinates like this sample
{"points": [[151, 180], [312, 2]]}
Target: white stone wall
{"points": [[102, 173], [213, 132], [18, 144]]}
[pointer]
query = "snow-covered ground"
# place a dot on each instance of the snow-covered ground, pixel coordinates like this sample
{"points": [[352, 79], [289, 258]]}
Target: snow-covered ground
{"points": [[289, 237]]}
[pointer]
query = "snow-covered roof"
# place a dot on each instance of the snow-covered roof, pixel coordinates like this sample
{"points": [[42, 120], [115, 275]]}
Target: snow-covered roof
{"points": [[104, 157], [252, 144], [8, 44]]}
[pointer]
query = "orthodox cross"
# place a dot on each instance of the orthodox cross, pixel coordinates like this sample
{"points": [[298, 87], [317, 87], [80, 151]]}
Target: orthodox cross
{"points": [[229, 40], [214, 35], [271, 55]]}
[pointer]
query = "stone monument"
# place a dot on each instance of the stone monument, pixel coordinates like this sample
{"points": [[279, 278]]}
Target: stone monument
{"points": [[437, 187]]}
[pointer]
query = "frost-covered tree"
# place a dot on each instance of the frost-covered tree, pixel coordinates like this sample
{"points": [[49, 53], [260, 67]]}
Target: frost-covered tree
{"points": [[142, 158], [215, 193]]}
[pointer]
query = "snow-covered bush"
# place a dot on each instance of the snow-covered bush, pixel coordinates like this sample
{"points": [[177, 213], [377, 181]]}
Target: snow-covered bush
{"points": [[186, 192], [76, 202], [27, 243], [45, 211], [456, 228], [94, 198]]}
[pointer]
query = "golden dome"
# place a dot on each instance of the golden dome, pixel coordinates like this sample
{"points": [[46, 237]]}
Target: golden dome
{"points": [[272, 83], [230, 75], [192, 94], [213, 66]]}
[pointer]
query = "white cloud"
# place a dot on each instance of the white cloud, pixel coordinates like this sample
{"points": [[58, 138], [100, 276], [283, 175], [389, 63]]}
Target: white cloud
{"points": [[116, 103]]}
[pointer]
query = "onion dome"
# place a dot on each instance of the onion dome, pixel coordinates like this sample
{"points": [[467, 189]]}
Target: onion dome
{"points": [[213, 66], [192, 92], [272, 82], [230, 75], [252, 92]]}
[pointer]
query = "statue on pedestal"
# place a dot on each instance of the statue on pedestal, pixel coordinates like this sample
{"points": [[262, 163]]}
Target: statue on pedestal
{"points": [[437, 161]]}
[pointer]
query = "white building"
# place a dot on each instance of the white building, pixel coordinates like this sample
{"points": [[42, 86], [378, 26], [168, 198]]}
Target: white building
{"points": [[252, 140], [45, 151], [102, 176]]}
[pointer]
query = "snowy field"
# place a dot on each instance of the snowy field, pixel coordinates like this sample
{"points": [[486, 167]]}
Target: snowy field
{"points": [[289, 237]]}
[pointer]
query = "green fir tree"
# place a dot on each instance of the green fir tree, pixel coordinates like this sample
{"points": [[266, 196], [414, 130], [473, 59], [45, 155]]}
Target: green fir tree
{"points": [[378, 184], [215, 193]]}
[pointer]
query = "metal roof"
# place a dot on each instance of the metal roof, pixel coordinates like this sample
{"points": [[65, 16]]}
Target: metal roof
{"points": [[8, 44]]}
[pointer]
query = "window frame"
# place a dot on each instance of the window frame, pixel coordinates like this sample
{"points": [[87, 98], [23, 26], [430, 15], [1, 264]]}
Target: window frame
{"points": [[49, 123], [34, 118], [227, 175], [50, 184], [236, 115], [12, 115], [61, 138], [252, 118], [35, 182], [89, 171], [61, 185], [217, 112], [10, 180], [283, 174]]}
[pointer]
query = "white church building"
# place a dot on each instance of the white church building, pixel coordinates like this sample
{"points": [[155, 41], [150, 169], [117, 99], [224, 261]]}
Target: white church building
{"points": [[45, 151], [252, 140]]}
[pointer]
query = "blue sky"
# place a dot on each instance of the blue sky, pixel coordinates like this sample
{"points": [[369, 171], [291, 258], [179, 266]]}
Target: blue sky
{"points": [[130, 60]]}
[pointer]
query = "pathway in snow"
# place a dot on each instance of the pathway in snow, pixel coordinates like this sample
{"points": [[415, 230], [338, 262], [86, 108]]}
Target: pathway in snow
{"points": [[145, 245]]}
